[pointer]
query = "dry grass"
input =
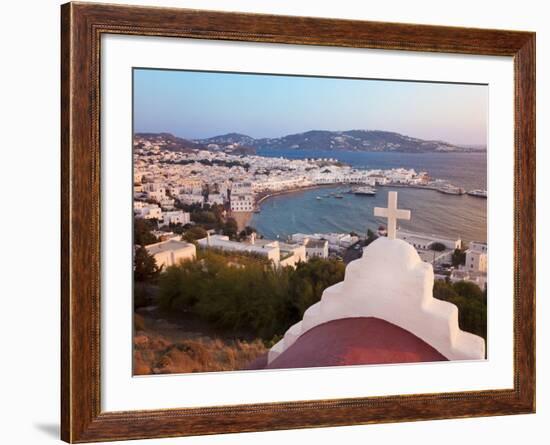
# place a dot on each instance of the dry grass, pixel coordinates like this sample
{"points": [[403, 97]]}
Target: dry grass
{"points": [[155, 354]]}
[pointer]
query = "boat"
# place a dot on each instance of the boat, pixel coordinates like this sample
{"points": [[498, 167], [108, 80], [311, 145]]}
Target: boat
{"points": [[318, 197], [449, 189], [338, 196], [364, 190], [478, 193]]}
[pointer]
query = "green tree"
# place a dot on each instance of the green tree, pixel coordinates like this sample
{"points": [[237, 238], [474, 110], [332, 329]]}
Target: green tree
{"points": [[145, 266], [469, 290], [247, 231], [193, 234], [142, 231], [230, 228], [204, 217], [471, 302], [242, 293], [308, 282], [458, 257], [438, 247], [371, 236]]}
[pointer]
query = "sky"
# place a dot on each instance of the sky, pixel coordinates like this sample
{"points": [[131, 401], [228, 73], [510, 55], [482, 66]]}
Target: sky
{"points": [[196, 105]]}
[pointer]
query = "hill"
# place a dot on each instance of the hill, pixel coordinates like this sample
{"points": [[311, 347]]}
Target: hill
{"points": [[358, 140], [351, 140]]}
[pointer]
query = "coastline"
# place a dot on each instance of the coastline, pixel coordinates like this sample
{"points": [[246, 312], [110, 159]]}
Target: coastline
{"points": [[243, 218], [296, 190], [438, 213], [344, 184]]}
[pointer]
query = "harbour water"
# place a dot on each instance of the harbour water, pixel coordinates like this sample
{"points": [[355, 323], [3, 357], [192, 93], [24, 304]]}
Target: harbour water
{"points": [[432, 212]]}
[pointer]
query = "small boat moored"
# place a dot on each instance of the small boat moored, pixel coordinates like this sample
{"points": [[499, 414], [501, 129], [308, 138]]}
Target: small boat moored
{"points": [[449, 189], [478, 193], [364, 190]]}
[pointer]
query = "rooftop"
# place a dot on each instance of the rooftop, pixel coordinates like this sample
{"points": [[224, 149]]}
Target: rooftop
{"points": [[316, 243], [166, 246], [353, 341]]}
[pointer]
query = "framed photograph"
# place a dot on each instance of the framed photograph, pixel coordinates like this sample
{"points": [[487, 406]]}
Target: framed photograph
{"points": [[274, 222]]}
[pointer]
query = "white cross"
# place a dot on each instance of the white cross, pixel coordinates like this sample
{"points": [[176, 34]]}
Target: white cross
{"points": [[392, 213]]}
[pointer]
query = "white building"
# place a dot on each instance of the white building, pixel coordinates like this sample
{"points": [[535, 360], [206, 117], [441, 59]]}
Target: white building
{"points": [[161, 235], [167, 203], [176, 217], [401, 175], [190, 199], [215, 199], [147, 211], [154, 191], [156, 195], [171, 252], [425, 242], [242, 203], [241, 188], [316, 248], [191, 186], [281, 254], [291, 254], [476, 257], [479, 278], [268, 249], [378, 178], [154, 187], [335, 240]]}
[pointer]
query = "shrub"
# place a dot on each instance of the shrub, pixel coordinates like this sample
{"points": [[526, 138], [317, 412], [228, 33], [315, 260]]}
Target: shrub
{"points": [[144, 294], [471, 302], [437, 247], [142, 231], [459, 257], [243, 293], [145, 266], [193, 234], [154, 354]]}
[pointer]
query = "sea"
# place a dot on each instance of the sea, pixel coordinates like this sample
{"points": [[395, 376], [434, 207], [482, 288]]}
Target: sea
{"points": [[432, 212]]}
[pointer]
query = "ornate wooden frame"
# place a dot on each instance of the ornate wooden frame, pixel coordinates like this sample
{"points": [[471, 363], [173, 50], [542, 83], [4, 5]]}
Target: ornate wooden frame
{"points": [[81, 28]]}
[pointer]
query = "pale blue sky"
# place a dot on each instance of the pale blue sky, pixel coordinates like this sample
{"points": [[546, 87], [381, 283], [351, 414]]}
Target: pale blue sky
{"points": [[202, 104]]}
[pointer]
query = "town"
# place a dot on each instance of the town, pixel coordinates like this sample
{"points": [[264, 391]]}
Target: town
{"points": [[170, 185]]}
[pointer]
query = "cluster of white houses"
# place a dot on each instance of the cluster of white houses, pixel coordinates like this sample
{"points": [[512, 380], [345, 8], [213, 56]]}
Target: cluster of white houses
{"points": [[303, 247], [172, 251], [240, 195], [235, 181], [154, 211]]}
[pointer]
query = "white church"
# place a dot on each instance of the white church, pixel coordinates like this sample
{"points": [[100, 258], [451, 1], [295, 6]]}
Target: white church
{"points": [[383, 312]]}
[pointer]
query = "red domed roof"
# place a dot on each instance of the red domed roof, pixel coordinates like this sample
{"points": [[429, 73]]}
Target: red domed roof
{"points": [[353, 341]]}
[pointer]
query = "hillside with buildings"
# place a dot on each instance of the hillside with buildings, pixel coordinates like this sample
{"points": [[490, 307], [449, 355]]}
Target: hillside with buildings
{"points": [[358, 140], [351, 140]]}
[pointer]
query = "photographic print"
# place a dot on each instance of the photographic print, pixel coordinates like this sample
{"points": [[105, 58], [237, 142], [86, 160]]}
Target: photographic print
{"points": [[289, 221]]}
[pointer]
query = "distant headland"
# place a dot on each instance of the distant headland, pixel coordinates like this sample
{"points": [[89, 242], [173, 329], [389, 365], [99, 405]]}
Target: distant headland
{"points": [[351, 140]]}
